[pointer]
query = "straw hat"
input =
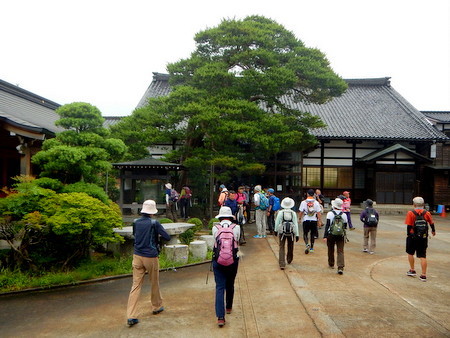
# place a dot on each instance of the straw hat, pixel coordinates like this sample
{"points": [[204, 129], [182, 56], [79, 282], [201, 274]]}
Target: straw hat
{"points": [[337, 204], [225, 212], [287, 203], [168, 186], [149, 207]]}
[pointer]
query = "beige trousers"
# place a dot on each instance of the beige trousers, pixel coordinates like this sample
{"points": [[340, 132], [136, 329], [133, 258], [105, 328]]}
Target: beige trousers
{"points": [[372, 233], [140, 265]]}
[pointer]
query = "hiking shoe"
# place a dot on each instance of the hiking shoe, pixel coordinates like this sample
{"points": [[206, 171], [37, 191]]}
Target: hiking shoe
{"points": [[423, 278], [132, 321], [411, 273], [282, 267], [221, 322], [307, 249], [365, 250], [229, 311], [161, 309], [340, 271], [352, 228], [311, 250]]}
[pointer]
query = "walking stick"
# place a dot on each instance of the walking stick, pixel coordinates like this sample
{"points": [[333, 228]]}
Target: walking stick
{"points": [[207, 273]]}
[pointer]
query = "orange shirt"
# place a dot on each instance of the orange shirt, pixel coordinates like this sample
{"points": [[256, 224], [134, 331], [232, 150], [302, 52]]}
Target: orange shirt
{"points": [[410, 217]]}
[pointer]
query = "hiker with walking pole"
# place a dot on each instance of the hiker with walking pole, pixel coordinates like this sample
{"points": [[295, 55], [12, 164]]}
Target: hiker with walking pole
{"points": [[225, 261]]}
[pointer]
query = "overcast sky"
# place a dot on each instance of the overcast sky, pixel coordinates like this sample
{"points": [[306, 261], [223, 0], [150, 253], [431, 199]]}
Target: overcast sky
{"points": [[104, 51]]}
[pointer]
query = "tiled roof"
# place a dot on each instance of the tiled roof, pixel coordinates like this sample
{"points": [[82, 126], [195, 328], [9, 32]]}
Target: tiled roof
{"points": [[111, 120], [393, 149], [158, 87], [27, 110], [369, 109], [148, 162], [438, 116]]}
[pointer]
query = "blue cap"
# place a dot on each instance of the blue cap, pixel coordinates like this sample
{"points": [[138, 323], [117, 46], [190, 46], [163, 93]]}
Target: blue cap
{"points": [[271, 190]]}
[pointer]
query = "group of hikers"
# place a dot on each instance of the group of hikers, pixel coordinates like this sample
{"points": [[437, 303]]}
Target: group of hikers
{"points": [[282, 221]]}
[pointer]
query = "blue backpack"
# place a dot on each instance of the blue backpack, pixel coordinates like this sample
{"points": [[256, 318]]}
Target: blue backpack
{"points": [[263, 201], [276, 203]]}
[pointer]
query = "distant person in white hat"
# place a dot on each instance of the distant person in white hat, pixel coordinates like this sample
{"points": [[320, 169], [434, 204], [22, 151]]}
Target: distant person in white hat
{"points": [[286, 227], [145, 258], [334, 234]]}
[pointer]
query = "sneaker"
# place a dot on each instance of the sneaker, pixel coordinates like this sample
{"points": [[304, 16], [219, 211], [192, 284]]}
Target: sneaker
{"points": [[311, 250], [365, 250], [353, 228], [340, 271], [132, 321], [161, 309], [411, 273], [282, 267], [221, 322], [371, 253], [257, 236], [228, 311], [307, 249], [423, 278], [264, 236]]}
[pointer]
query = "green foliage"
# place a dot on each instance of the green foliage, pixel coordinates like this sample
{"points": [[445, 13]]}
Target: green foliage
{"points": [[83, 151], [49, 183], [211, 222], [45, 228], [92, 190], [197, 221], [165, 220], [227, 106], [187, 236]]}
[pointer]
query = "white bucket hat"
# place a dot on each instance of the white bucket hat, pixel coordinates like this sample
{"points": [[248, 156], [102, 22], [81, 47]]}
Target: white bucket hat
{"points": [[287, 203], [149, 207], [257, 188], [337, 204], [168, 186], [225, 212]]}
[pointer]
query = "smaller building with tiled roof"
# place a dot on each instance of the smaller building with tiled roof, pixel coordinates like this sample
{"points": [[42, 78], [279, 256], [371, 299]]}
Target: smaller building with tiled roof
{"points": [[26, 120]]}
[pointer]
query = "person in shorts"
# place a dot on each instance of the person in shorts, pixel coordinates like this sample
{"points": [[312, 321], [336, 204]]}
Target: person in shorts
{"points": [[418, 244]]}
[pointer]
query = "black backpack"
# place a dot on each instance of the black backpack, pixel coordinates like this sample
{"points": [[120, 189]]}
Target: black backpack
{"points": [[371, 219], [287, 226], [420, 225]]}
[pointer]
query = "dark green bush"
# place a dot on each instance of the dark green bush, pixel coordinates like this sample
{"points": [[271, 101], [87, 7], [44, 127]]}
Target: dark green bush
{"points": [[91, 189]]}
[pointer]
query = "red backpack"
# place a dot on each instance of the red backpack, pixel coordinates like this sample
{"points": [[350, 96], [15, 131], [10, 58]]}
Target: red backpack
{"points": [[225, 246]]}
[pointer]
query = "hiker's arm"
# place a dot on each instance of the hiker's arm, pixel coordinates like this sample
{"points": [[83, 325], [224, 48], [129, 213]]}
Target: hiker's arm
{"points": [[433, 230], [327, 227]]}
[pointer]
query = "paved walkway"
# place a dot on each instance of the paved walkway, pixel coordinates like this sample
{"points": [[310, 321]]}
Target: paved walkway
{"points": [[374, 297]]}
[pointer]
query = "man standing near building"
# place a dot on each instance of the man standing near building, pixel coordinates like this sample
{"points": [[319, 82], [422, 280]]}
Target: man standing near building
{"points": [[261, 204], [417, 222], [271, 210], [311, 213], [146, 251]]}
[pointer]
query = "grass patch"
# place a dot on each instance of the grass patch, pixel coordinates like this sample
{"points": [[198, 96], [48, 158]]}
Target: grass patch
{"points": [[99, 266]]}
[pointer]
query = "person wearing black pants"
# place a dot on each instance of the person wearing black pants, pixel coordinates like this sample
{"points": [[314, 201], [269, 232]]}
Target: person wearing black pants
{"points": [[225, 275]]}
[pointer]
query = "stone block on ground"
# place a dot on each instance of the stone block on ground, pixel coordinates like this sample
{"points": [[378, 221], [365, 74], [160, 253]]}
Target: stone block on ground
{"points": [[198, 249], [177, 253], [209, 239]]}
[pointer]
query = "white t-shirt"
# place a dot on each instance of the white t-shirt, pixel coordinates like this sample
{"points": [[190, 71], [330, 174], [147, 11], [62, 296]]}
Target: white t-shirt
{"points": [[304, 208]]}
